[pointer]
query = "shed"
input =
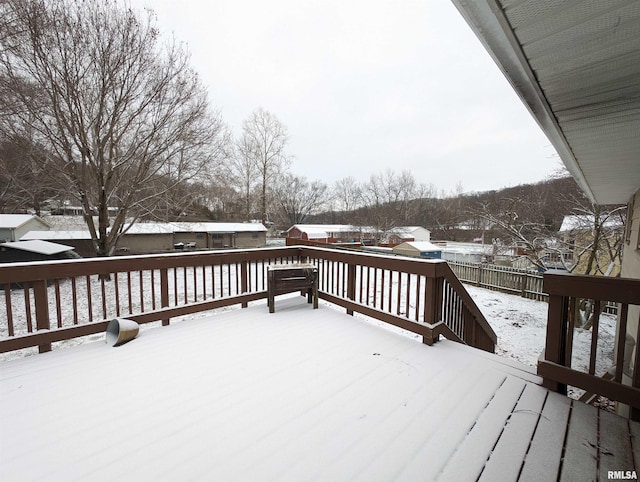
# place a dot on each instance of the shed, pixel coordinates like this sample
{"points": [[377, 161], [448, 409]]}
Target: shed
{"points": [[14, 226], [419, 249], [79, 240], [34, 250], [331, 233], [404, 234]]}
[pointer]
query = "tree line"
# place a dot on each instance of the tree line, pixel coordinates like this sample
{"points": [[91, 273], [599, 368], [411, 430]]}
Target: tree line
{"points": [[99, 110]]}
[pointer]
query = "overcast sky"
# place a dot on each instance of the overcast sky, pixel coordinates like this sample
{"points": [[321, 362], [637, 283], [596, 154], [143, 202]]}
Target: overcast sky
{"points": [[365, 86]]}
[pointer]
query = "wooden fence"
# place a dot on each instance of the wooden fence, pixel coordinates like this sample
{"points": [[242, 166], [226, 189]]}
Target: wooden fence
{"points": [[522, 282]]}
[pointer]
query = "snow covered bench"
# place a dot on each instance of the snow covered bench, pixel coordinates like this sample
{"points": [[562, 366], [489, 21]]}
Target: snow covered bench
{"points": [[286, 278]]}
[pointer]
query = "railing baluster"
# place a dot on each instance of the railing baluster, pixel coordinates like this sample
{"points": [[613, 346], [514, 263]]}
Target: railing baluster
{"points": [[103, 292], [129, 295], [74, 296], [399, 293], [27, 305], [141, 285], [185, 285], [152, 274], [9, 309], [89, 300], [382, 286], [417, 316], [117, 292], [594, 337], [195, 284], [58, 303]]}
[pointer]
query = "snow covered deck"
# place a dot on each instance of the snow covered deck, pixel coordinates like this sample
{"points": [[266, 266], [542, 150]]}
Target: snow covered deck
{"points": [[300, 394]]}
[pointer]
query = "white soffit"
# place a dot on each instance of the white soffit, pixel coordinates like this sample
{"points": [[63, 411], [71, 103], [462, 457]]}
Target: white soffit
{"points": [[576, 65]]}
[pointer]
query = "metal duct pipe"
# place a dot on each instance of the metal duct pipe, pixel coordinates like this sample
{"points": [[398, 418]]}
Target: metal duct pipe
{"points": [[120, 331]]}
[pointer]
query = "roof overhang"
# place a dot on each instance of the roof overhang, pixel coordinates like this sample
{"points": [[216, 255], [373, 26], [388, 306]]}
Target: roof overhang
{"points": [[576, 66]]}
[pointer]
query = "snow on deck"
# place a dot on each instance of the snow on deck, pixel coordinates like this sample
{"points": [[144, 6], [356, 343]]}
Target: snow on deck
{"points": [[301, 394]]}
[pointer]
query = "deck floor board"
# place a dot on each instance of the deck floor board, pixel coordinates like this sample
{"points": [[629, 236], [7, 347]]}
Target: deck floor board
{"points": [[581, 454], [542, 461], [506, 459], [614, 450]]}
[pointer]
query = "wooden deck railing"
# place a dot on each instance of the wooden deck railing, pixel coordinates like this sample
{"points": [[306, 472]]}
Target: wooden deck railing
{"points": [[621, 382], [422, 296], [48, 302]]}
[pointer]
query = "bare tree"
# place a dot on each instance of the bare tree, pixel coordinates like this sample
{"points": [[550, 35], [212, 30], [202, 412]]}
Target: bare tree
{"points": [[596, 238], [386, 198], [116, 108], [346, 194], [296, 198], [243, 174], [23, 185], [262, 150]]}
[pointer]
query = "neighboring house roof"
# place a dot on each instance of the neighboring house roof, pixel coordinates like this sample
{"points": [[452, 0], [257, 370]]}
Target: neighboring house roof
{"points": [[13, 221], [183, 227], [327, 228], [422, 246], [151, 228], [575, 67], [583, 223], [56, 235], [38, 246], [467, 248], [408, 231], [156, 228]]}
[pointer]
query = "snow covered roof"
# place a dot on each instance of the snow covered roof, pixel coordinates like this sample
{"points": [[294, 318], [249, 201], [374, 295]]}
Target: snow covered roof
{"points": [[422, 246], [408, 229], [151, 228], [326, 228], [585, 223], [56, 235], [38, 246], [185, 227], [13, 221], [467, 248]]}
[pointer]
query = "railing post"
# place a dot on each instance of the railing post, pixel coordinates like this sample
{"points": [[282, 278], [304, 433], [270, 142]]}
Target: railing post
{"points": [[351, 285], [42, 310], [244, 280], [555, 350], [164, 292], [433, 304]]}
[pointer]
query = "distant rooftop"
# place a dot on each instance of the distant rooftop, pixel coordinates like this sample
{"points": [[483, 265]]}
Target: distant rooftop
{"points": [[16, 220], [38, 246]]}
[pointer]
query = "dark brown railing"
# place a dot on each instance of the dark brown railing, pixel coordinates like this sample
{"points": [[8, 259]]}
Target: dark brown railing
{"points": [[47, 302], [567, 293]]}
